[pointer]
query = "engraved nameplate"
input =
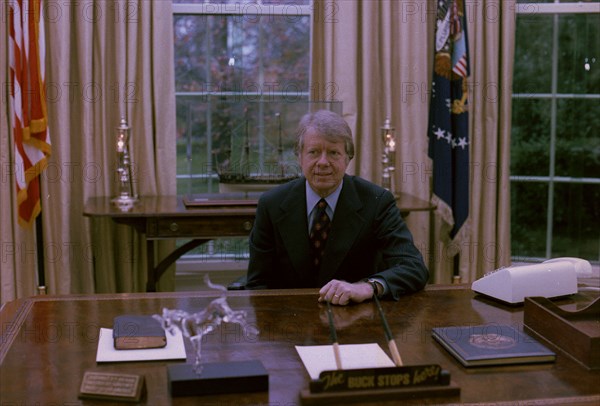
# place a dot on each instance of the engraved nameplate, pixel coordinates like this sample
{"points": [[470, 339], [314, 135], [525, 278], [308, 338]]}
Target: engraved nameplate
{"points": [[112, 386]]}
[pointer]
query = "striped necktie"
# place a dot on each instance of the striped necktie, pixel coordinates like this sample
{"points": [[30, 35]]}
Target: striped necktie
{"points": [[319, 233]]}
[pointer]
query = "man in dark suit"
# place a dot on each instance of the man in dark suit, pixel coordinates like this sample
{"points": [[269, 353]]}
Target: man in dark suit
{"points": [[331, 230]]}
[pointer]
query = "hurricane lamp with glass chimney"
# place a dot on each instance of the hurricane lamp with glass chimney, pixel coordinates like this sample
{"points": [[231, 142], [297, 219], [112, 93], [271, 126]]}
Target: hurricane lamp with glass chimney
{"points": [[125, 197], [388, 159]]}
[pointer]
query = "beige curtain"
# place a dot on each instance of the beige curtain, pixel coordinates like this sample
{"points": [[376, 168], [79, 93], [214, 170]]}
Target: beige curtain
{"points": [[105, 60], [492, 42], [377, 57]]}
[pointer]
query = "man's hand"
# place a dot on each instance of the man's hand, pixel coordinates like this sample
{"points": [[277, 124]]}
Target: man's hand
{"points": [[342, 293]]}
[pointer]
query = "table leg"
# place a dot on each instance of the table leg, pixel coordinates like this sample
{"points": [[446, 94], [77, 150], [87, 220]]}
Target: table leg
{"points": [[154, 273], [151, 282]]}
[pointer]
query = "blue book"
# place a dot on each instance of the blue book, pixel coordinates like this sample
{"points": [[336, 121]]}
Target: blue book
{"points": [[491, 344]]}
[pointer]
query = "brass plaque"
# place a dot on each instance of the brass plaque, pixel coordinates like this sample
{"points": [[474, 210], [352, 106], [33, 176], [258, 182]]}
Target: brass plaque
{"points": [[112, 386]]}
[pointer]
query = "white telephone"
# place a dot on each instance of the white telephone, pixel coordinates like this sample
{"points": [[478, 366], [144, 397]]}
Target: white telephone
{"points": [[552, 278]]}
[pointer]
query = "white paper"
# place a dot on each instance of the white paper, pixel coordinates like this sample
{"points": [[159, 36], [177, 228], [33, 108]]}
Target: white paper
{"points": [[174, 350], [318, 358]]}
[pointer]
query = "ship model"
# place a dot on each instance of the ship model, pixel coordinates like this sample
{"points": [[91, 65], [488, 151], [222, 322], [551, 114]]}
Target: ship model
{"points": [[243, 172]]}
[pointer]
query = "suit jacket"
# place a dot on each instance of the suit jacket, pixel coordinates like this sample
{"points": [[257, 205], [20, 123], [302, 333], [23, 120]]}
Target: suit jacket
{"points": [[368, 238]]}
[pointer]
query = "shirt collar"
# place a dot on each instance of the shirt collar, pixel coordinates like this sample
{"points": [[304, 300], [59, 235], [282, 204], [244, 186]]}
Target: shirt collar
{"points": [[312, 198]]}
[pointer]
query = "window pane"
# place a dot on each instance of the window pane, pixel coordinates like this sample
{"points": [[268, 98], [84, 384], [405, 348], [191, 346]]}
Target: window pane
{"points": [[576, 218], [579, 54], [243, 53], [193, 149], [578, 138], [533, 54], [528, 219], [191, 65], [221, 249], [530, 138], [286, 45]]}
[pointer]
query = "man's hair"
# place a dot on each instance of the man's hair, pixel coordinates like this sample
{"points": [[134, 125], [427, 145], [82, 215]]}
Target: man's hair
{"points": [[329, 125]]}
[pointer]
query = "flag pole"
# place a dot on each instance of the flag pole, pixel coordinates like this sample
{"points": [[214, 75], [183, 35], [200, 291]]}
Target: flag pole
{"points": [[456, 279], [39, 241]]}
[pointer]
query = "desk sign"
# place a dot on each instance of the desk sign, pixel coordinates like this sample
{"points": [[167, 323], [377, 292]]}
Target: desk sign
{"points": [[380, 378], [112, 386], [379, 384]]}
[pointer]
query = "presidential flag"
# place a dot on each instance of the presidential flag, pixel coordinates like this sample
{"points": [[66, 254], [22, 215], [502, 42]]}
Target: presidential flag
{"points": [[28, 104], [448, 116]]}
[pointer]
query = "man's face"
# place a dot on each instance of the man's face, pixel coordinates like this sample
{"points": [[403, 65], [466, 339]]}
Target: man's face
{"points": [[323, 163]]}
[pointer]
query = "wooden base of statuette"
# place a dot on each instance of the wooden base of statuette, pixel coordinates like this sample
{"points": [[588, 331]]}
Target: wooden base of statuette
{"points": [[379, 384], [218, 377], [112, 386]]}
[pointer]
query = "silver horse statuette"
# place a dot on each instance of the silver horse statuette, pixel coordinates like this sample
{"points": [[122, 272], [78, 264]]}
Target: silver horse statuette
{"points": [[196, 325]]}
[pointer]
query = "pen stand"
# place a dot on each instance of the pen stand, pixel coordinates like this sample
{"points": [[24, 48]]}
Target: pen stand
{"points": [[379, 384]]}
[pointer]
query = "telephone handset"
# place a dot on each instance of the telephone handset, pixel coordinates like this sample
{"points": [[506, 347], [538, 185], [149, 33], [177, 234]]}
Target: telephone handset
{"points": [[583, 268], [552, 278]]}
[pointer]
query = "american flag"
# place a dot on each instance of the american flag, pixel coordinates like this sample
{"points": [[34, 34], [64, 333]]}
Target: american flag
{"points": [[448, 115], [27, 53]]}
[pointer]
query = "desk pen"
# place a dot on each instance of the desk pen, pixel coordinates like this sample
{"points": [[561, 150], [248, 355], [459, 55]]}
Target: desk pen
{"points": [[388, 334], [333, 337]]}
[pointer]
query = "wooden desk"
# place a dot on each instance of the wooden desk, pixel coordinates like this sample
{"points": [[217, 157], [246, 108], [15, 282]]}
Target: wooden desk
{"points": [[48, 342], [166, 217]]}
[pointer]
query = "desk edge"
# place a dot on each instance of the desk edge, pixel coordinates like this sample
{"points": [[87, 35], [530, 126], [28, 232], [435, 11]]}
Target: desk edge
{"points": [[12, 317]]}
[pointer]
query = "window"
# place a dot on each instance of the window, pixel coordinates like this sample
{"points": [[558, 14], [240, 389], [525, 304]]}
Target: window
{"points": [[242, 84], [241, 75], [555, 151]]}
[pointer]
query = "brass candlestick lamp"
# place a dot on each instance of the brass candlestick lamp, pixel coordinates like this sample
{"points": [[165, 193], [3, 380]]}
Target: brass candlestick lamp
{"points": [[126, 196], [389, 156]]}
